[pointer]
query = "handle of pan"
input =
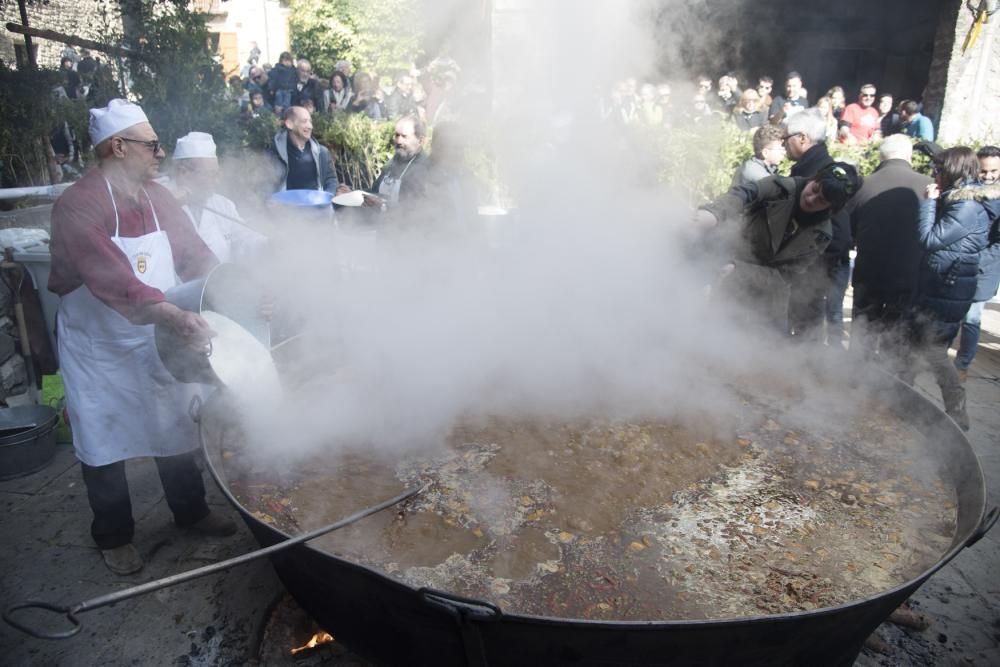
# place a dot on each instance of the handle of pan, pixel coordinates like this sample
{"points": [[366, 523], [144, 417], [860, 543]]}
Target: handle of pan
{"points": [[465, 611], [67, 612], [112, 598], [988, 522], [459, 606]]}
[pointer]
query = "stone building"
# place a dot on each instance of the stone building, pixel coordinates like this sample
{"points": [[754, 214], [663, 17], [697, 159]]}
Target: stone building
{"points": [[89, 19], [238, 24], [964, 87]]}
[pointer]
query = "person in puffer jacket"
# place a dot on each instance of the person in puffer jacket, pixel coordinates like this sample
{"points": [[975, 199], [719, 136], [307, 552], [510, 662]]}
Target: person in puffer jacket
{"points": [[952, 231], [989, 260]]}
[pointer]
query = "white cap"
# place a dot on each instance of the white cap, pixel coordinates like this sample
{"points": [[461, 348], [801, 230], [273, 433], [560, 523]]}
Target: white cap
{"points": [[117, 116], [194, 145]]}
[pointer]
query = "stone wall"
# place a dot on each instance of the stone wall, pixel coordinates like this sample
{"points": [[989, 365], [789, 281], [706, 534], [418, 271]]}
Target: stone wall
{"points": [[13, 374], [73, 17], [965, 87]]}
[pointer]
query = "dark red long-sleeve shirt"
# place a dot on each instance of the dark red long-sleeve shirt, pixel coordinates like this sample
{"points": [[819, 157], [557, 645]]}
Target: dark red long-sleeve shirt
{"points": [[83, 222]]}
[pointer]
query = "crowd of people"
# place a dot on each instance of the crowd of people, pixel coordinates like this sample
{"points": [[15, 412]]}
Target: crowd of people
{"points": [[927, 249], [262, 90], [869, 118]]}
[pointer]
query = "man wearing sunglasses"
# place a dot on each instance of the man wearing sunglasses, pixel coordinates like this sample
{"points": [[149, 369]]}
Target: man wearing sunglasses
{"points": [[118, 241], [862, 115]]}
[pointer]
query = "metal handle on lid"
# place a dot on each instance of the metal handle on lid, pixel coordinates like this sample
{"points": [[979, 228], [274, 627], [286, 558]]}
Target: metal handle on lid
{"points": [[194, 409], [67, 612]]}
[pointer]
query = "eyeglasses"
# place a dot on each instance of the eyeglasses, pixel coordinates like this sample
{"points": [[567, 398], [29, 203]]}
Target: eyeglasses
{"points": [[153, 145], [867, 94], [841, 175], [788, 137]]}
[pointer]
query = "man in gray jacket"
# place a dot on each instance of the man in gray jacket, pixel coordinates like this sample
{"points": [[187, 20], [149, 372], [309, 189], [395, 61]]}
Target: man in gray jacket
{"points": [[768, 152], [302, 162]]}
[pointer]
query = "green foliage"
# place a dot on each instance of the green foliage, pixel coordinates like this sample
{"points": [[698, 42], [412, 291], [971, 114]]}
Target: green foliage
{"points": [[179, 84], [29, 113], [864, 157], [374, 35], [258, 133], [699, 160], [360, 145]]}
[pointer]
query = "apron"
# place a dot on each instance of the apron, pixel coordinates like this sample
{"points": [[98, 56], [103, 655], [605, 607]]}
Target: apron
{"points": [[212, 231], [123, 403], [219, 226], [389, 187]]}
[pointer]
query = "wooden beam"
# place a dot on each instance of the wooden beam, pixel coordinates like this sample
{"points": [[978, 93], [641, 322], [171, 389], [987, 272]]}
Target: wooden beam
{"points": [[54, 36], [28, 46]]}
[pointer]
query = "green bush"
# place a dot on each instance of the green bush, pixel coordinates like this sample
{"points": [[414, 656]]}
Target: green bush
{"points": [[374, 35], [178, 82], [360, 145], [29, 112]]}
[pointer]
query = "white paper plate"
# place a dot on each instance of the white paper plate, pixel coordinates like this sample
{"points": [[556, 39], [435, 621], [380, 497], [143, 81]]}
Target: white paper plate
{"points": [[353, 198]]}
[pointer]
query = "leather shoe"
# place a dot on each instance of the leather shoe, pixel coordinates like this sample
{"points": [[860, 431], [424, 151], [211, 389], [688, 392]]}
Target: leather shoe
{"points": [[212, 525], [122, 560]]}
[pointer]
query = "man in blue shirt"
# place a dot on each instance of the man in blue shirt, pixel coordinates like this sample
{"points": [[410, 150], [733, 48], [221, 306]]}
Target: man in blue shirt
{"points": [[914, 123]]}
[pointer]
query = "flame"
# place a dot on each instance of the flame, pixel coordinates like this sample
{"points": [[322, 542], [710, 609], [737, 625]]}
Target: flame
{"points": [[316, 640]]}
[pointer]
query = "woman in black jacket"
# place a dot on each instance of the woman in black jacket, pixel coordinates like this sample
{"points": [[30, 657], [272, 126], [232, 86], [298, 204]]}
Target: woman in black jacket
{"points": [[952, 230]]}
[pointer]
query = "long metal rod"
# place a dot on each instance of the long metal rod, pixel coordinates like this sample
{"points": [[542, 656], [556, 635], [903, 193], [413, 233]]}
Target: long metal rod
{"points": [[112, 598]]}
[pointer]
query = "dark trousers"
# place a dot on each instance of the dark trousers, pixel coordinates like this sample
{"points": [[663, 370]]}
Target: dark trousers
{"points": [[107, 491], [818, 296], [877, 322], [888, 324]]}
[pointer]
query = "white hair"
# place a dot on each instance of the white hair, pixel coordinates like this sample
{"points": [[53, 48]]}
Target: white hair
{"points": [[896, 147], [810, 123]]}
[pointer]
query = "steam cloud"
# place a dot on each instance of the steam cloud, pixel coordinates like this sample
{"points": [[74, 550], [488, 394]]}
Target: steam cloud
{"points": [[583, 301]]}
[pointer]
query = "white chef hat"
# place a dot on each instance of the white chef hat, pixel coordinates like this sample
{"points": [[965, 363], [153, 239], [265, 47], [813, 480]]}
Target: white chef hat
{"points": [[195, 145], [117, 116]]}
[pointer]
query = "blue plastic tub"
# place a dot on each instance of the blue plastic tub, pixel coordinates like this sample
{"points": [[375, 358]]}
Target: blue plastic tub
{"points": [[303, 198]]}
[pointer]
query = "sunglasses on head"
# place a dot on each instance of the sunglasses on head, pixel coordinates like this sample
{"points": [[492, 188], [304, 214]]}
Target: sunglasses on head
{"points": [[841, 175]]}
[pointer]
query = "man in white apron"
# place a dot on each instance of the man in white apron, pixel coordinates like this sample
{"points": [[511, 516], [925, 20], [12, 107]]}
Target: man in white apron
{"points": [[215, 217], [118, 241]]}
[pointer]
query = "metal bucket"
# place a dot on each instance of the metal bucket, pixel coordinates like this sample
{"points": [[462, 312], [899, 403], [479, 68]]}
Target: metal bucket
{"points": [[27, 439]]}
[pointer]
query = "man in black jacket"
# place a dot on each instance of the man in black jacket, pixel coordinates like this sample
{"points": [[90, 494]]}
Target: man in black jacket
{"points": [[820, 290], [306, 86], [883, 219]]}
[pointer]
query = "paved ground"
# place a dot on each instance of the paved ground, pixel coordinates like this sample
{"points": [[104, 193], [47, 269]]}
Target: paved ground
{"points": [[47, 554]]}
